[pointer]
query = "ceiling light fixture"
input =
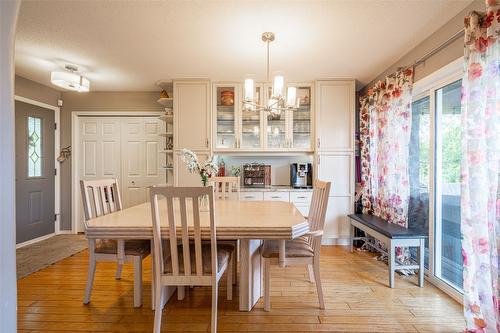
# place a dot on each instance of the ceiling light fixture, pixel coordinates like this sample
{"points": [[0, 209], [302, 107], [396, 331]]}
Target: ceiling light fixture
{"points": [[278, 101], [70, 79]]}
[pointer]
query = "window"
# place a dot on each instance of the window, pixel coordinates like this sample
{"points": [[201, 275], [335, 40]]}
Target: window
{"points": [[434, 172], [34, 147]]}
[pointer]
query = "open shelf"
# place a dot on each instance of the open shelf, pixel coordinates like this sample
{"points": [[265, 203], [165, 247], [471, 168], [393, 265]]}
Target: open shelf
{"points": [[165, 101]]}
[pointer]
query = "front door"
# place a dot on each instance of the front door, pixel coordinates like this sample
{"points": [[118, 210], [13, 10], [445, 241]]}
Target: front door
{"points": [[35, 182]]}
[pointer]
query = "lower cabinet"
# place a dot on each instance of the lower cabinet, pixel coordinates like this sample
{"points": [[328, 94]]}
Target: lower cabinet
{"points": [[301, 199]]}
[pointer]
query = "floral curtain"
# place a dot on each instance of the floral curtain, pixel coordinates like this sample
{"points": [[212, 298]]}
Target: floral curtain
{"points": [[480, 206], [385, 121]]}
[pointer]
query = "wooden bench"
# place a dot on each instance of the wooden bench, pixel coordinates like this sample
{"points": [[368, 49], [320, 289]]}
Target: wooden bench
{"points": [[392, 235]]}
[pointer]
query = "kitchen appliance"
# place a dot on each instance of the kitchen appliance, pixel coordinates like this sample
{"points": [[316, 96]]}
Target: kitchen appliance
{"points": [[301, 175], [256, 175]]}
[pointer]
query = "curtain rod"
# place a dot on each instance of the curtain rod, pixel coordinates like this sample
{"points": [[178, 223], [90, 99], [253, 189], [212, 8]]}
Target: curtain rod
{"points": [[429, 54]]}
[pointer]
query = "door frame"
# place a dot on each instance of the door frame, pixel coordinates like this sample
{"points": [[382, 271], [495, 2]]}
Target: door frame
{"points": [[75, 134], [57, 166]]}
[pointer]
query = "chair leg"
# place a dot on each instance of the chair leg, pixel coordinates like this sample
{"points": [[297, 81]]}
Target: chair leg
{"points": [[181, 293], [319, 288], [229, 276], [235, 262], [137, 281], [311, 273], [158, 307], [267, 284], [118, 274], [215, 293], [91, 272]]}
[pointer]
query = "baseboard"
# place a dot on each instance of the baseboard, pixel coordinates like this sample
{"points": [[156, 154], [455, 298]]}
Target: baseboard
{"points": [[65, 232], [35, 240], [335, 241]]}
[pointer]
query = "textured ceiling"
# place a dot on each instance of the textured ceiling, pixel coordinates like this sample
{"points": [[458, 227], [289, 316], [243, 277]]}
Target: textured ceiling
{"points": [[127, 46]]}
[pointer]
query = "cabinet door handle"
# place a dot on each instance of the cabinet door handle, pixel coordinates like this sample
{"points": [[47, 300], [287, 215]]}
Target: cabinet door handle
{"points": [[319, 160], [248, 197], [301, 197], [275, 197], [319, 143], [206, 142]]}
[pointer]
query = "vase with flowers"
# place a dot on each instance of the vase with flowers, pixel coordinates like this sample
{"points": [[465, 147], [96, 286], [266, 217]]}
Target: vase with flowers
{"points": [[205, 169]]}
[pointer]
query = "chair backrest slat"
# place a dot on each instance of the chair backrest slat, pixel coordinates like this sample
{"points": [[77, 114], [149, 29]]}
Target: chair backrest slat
{"points": [[178, 217], [100, 197], [197, 238], [317, 211], [226, 187]]}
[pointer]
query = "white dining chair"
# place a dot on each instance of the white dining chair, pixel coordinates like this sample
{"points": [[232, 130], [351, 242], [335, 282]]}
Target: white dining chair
{"points": [[226, 188], [190, 261], [101, 197], [303, 250]]}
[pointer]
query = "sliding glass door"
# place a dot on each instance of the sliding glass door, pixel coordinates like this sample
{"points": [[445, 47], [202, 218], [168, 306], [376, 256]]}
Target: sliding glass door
{"points": [[434, 170], [448, 152]]}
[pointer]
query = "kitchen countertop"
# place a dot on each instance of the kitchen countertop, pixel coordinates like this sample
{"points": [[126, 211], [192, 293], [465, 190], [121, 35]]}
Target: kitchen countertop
{"points": [[275, 188]]}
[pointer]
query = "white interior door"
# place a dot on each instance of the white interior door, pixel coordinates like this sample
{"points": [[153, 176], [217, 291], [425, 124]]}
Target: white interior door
{"points": [[99, 154], [141, 163], [126, 148]]}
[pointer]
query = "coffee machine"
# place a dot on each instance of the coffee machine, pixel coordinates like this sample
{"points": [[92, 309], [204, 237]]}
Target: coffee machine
{"points": [[301, 175]]}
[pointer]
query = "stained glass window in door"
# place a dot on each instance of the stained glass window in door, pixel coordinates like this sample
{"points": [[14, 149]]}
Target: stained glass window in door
{"points": [[34, 147]]}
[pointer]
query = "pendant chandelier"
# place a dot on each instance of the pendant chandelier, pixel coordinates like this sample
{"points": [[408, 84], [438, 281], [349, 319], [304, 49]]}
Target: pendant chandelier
{"points": [[278, 101]]}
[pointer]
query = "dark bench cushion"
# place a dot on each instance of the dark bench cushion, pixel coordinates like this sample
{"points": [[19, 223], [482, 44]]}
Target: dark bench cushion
{"points": [[387, 229]]}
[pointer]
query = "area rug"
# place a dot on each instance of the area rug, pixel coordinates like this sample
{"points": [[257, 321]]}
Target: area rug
{"points": [[34, 257]]}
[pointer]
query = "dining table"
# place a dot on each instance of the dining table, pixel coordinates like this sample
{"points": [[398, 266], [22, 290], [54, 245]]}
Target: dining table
{"points": [[250, 222]]}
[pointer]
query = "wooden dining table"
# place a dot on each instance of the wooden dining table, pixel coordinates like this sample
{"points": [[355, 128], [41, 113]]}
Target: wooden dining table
{"points": [[250, 222]]}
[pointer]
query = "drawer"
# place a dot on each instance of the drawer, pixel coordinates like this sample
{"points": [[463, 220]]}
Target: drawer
{"points": [[301, 197], [277, 196], [251, 196], [304, 210]]}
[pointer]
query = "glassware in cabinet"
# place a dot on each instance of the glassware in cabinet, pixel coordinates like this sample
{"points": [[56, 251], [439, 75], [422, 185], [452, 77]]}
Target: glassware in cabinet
{"points": [[301, 119], [251, 124], [225, 98]]}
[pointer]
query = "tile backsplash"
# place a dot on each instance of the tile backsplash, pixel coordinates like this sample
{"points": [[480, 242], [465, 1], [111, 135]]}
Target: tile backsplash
{"points": [[280, 165]]}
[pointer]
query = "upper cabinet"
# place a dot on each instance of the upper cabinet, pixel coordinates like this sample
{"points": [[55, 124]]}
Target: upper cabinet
{"points": [[240, 129], [301, 120], [192, 114], [251, 124], [335, 115]]}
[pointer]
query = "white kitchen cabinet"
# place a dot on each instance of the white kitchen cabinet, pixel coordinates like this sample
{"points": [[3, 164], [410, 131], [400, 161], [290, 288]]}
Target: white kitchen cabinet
{"points": [[334, 153], [335, 107], [277, 196], [192, 119], [251, 196], [237, 129]]}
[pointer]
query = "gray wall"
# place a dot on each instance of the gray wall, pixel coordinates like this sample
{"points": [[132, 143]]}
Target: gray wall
{"points": [[94, 102], [451, 52], [36, 91]]}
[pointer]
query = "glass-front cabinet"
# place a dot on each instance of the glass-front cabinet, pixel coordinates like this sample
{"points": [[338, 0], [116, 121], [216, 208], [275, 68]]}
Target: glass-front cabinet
{"points": [[300, 120], [276, 125], [239, 128], [251, 124], [226, 116]]}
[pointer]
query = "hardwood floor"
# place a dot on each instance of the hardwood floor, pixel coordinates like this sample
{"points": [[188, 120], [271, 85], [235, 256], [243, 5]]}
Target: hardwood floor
{"points": [[355, 286]]}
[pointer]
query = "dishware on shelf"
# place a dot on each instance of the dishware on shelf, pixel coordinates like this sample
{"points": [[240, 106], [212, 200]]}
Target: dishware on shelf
{"points": [[227, 98]]}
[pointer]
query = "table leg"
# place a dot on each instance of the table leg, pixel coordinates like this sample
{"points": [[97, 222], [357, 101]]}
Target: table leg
{"points": [[391, 254], [250, 277]]}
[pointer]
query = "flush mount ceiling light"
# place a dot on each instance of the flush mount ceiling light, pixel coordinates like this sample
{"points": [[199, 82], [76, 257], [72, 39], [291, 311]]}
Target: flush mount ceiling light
{"points": [[277, 101], [70, 79]]}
